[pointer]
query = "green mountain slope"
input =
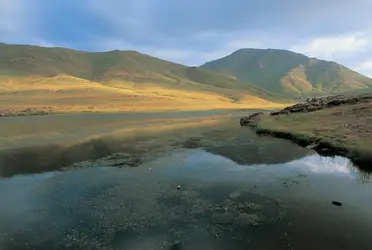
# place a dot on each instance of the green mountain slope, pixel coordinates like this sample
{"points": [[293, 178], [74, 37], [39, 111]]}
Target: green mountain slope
{"points": [[23, 60], [30, 69], [289, 73]]}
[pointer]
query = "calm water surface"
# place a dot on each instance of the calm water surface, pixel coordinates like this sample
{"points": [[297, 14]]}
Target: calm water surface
{"points": [[238, 191]]}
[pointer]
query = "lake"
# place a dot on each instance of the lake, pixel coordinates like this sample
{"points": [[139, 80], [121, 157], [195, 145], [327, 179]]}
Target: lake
{"points": [[187, 180]]}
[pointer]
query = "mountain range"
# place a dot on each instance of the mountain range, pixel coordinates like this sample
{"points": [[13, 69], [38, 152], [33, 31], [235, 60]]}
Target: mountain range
{"points": [[289, 73], [70, 80]]}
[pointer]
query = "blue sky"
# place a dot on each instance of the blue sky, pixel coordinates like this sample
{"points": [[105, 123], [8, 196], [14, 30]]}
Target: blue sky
{"points": [[195, 31]]}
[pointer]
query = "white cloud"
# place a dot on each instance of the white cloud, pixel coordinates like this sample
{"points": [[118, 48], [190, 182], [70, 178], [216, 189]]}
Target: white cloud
{"points": [[331, 48], [324, 165], [365, 68], [366, 65]]}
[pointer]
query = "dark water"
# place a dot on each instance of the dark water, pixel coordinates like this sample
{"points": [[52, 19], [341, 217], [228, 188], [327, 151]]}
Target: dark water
{"points": [[237, 191]]}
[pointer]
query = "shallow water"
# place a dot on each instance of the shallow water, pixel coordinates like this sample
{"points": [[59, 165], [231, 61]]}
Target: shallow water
{"points": [[50, 129], [237, 191]]}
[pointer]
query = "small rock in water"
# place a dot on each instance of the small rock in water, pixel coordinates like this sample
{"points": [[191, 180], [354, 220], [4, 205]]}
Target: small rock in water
{"points": [[178, 187], [337, 203]]}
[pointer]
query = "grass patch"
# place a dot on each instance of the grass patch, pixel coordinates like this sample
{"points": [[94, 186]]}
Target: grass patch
{"points": [[345, 130]]}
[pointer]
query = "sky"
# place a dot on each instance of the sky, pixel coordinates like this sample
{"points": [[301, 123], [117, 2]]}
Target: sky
{"points": [[193, 32]]}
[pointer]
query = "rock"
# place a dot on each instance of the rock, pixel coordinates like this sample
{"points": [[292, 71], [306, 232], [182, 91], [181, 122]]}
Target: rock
{"points": [[321, 103], [312, 108], [251, 120], [334, 103], [178, 187], [337, 203]]}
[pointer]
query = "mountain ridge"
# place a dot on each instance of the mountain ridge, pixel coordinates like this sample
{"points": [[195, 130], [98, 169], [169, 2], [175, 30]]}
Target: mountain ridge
{"points": [[289, 73], [136, 81]]}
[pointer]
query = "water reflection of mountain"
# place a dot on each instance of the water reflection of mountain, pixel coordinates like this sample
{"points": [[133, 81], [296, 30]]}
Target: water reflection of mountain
{"points": [[246, 148], [54, 157], [239, 145]]}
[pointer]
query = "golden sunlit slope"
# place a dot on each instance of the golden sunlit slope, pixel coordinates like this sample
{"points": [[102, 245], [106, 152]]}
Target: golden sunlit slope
{"points": [[66, 93], [68, 80]]}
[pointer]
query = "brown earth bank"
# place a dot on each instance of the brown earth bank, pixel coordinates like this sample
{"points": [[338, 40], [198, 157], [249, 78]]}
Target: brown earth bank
{"points": [[25, 112], [334, 125]]}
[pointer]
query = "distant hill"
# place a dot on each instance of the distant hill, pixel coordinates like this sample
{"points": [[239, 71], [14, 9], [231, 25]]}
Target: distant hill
{"points": [[62, 75], [289, 73]]}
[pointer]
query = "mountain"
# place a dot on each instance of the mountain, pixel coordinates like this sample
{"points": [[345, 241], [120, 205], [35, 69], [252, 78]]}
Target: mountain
{"points": [[289, 73], [66, 79]]}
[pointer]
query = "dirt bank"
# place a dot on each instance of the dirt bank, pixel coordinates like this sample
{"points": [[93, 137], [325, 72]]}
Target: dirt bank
{"points": [[339, 125]]}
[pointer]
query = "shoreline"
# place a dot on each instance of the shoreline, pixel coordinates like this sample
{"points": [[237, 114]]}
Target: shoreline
{"points": [[40, 112], [344, 129], [323, 148]]}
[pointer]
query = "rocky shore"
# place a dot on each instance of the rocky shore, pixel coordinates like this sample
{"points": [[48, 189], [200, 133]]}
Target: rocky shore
{"points": [[315, 104]]}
